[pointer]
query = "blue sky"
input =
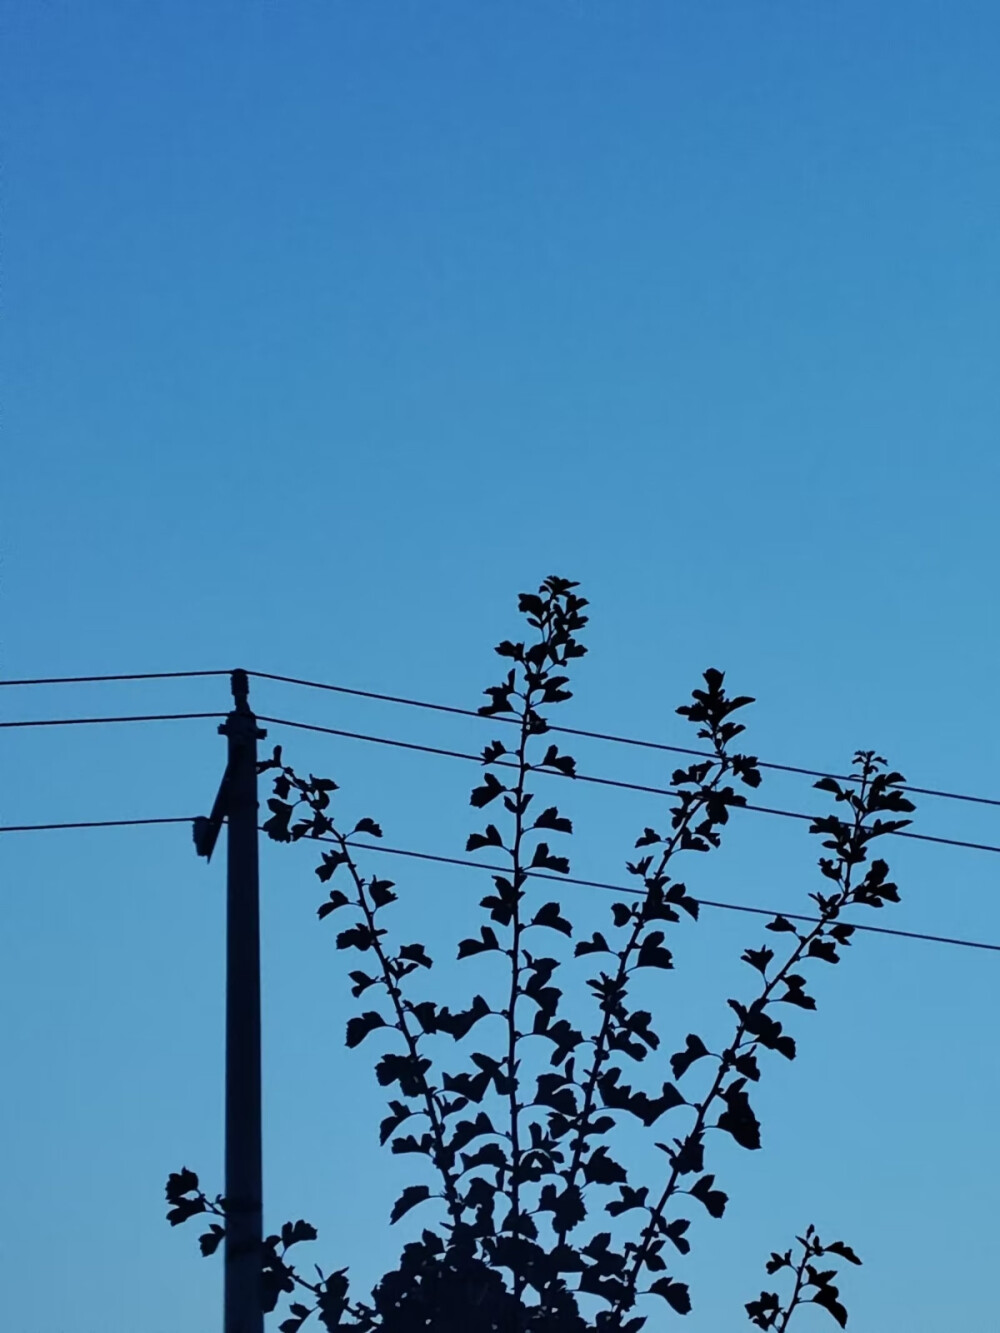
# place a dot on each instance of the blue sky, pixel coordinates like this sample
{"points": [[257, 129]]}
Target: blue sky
{"points": [[331, 326]]}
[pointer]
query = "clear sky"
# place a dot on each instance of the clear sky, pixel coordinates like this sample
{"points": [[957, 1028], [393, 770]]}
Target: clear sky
{"points": [[330, 326]]}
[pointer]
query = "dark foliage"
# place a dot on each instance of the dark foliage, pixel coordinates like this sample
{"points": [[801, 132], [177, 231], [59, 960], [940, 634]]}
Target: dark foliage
{"points": [[810, 1285], [513, 1141]]}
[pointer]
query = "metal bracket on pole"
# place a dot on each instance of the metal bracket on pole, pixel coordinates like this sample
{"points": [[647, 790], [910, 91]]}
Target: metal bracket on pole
{"points": [[206, 830]]}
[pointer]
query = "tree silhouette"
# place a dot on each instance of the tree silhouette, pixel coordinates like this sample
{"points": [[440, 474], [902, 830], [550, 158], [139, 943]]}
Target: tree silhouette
{"points": [[513, 1137]]}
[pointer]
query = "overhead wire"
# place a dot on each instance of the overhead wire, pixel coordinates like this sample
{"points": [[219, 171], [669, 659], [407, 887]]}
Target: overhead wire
{"points": [[131, 675], [601, 781], [404, 700], [534, 874], [626, 889], [95, 823], [591, 778], [606, 736], [95, 721]]}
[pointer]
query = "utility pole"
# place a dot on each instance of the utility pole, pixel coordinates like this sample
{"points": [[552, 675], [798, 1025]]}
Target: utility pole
{"points": [[236, 803]]}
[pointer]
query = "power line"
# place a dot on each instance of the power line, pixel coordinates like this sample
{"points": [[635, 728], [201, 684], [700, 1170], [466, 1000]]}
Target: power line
{"points": [[603, 782], [474, 713], [621, 888], [134, 675], [591, 778], [534, 874], [607, 736], [94, 721], [94, 823]]}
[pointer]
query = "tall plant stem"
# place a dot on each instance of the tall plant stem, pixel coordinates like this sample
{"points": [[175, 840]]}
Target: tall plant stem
{"points": [[431, 1107], [517, 925], [833, 909], [601, 1048]]}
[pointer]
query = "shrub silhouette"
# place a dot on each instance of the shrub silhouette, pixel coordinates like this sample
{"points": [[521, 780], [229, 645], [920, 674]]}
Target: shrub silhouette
{"points": [[513, 1151]]}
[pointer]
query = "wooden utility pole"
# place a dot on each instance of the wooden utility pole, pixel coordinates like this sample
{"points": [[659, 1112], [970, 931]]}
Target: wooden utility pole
{"points": [[236, 803]]}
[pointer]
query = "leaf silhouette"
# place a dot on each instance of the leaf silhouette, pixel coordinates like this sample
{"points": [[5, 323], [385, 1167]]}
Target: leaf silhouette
{"points": [[652, 953], [491, 838], [209, 1242], [566, 1206], [410, 1197], [358, 937], [596, 944], [629, 1198], [844, 1251], [337, 899], [491, 788], [827, 1298], [599, 1169], [714, 1200], [368, 826], [380, 892], [415, 953], [738, 1118], [359, 1028], [294, 1232], [544, 860], [562, 763], [487, 942], [550, 915], [676, 1294], [694, 1049], [551, 819]]}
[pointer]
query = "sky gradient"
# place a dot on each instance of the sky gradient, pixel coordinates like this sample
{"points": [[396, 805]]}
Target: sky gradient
{"points": [[331, 326]]}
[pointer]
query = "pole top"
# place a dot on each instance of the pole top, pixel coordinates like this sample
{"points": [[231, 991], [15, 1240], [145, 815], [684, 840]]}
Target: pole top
{"points": [[241, 715], [240, 685]]}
